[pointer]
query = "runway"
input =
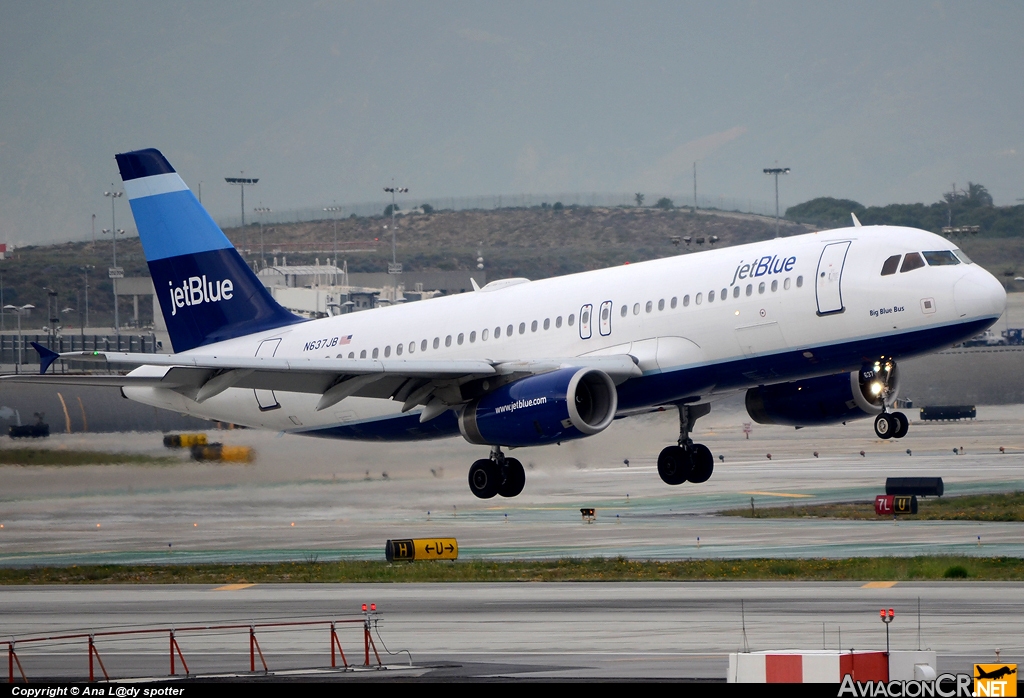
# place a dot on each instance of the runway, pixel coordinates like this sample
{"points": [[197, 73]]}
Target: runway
{"points": [[344, 500], [514, 631]]}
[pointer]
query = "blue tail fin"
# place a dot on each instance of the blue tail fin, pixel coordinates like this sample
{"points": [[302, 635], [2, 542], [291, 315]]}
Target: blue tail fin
{"points": [[207, 292]]}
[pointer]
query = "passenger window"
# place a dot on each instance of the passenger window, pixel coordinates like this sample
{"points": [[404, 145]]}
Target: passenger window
{"points": [[398, 349], [472, 336], [460, 338], [605, 312], [686, 300], [497, 332], [558, 321], [661, 304], [890, 265], [786, 284], [572, 319], [711, 296], [508, 331], [725, 294], [775, 285], [375, 352], [533, 326], [911, 262], [698, 298], [412, 347], [547, 323], [448, 341], [799, 281], [522, 328], [735, 291], [636, 308], [423, 345], [484, 335], [649, 307], [623, 311], [750, 289], [362, 354], [387, 351], [437, 342], [673, 302], [941, 258], [351, 355]]}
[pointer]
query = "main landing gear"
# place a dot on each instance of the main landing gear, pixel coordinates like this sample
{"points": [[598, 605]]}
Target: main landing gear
{"points": [[687, 461], [496, 475], [891, 425]]}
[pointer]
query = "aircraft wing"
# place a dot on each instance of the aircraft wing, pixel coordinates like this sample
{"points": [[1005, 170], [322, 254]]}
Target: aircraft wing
{"points": [[414, 382]]}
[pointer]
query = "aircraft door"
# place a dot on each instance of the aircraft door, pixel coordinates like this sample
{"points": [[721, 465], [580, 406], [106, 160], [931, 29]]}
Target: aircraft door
{"points": [[585, 321], [828, 280], [266, 398], [606, 319]]}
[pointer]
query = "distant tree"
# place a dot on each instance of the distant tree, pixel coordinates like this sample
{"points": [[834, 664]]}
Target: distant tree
{"points": [[427, 208], [639, 198], [557, 206], [665, 203], [387, 209], [824, 211], [978, 194]]}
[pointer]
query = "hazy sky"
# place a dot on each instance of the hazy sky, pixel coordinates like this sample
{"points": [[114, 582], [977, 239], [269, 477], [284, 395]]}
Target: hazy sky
{"points": [[880, 102]]}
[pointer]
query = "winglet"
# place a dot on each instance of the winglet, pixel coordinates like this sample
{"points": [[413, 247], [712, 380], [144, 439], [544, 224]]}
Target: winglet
{"points": [[856, 221], [46, 357], [476, 286]]}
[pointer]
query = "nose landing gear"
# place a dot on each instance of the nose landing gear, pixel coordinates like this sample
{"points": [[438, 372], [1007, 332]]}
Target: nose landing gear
{"points": [[496, 475], [891, 425], [687, 461]]}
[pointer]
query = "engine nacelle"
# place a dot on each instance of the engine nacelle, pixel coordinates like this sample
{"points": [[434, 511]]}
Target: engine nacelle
{"points": [[569, 403], [825, 400]]}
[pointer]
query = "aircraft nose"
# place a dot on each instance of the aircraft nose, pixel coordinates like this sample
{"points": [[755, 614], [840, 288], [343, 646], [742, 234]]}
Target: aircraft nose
{"points": [[979, 294]]}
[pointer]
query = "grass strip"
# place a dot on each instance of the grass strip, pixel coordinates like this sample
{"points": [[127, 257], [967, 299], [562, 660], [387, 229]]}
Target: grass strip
{"points": [[565, 570], [974, 507], [46, 456]]}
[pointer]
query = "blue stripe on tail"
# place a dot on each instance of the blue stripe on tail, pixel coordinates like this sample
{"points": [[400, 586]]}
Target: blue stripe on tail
{"points": [[207, 292]]}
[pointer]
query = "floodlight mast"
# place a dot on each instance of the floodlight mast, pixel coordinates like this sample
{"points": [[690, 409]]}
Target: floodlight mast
{"points": [[114, 231], [394, 268], [776, 171], [242, 181]]}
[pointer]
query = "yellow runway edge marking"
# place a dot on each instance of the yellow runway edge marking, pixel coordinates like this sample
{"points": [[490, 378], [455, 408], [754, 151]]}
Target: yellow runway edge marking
{"points": [[779, 494], [879, 585], [233, 587]]}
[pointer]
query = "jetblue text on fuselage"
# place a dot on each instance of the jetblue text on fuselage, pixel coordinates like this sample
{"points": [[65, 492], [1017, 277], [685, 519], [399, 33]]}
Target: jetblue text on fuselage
{"points": [[196, 290], [769, 264]]}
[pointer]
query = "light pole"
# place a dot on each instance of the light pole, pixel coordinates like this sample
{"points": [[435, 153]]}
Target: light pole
{"points": [[776, 171], [86, 269], [242, 181], [394, 268], [114, 272], [333, 210], [259, 211], [18, 310]]}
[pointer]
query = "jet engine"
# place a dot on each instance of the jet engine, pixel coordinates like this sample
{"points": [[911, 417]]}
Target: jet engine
{"points": [[826, 399], [569, 403]]}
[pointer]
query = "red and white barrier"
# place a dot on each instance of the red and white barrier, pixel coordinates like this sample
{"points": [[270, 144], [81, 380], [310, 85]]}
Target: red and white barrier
{"points": [[827, 666]]}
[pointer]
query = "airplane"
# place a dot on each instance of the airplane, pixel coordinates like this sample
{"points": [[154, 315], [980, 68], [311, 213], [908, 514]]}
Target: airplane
{"points": [[810, 326], [995, 673]]}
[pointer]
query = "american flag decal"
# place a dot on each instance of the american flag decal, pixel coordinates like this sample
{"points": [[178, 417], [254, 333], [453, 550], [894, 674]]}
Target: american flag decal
{"points": [[345, 340]]}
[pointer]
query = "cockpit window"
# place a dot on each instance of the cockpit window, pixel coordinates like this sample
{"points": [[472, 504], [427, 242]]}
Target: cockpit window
{"points": [[912, 261], [891, 265], [963, 257], [941, 258]]}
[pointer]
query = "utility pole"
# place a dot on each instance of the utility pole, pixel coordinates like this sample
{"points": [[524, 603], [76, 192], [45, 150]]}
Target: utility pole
{"points": [[776, 171], [394, 268], [260, 210], [241, 182], [694, 185], [115, 272], [333, 210]]}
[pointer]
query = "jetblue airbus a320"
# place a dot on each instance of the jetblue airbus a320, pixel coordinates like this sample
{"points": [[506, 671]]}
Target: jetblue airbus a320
{"points": [[810, 326]]}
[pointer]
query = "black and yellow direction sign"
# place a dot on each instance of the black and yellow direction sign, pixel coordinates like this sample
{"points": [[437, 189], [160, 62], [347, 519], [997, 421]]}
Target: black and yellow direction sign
{"points": [[901, 504], [422, 549], [995, 680]]}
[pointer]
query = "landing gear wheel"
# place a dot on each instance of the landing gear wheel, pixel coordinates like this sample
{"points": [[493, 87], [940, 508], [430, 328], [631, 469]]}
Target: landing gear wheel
{"points": [[902, 425], [885, 426], [484, 478], [674, 465], [515, 478], [703, 464]]}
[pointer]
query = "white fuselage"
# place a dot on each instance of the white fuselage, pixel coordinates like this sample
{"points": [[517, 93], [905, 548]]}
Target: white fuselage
{"points": [[701, 323]]}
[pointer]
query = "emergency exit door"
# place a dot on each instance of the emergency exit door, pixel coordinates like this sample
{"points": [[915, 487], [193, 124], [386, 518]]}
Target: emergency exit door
{"points": [[828, 282]]}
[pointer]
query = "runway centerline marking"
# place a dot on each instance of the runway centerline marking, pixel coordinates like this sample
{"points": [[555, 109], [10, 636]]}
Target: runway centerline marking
{"points": [[233, 587], [779, 494], [879, 585]]}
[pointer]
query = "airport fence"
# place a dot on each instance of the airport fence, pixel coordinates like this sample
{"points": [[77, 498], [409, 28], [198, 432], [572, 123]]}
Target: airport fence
{"points": [[17, 349]]}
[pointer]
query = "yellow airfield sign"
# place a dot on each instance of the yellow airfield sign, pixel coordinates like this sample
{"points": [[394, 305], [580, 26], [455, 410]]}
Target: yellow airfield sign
{"points": [[422, 549]]}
